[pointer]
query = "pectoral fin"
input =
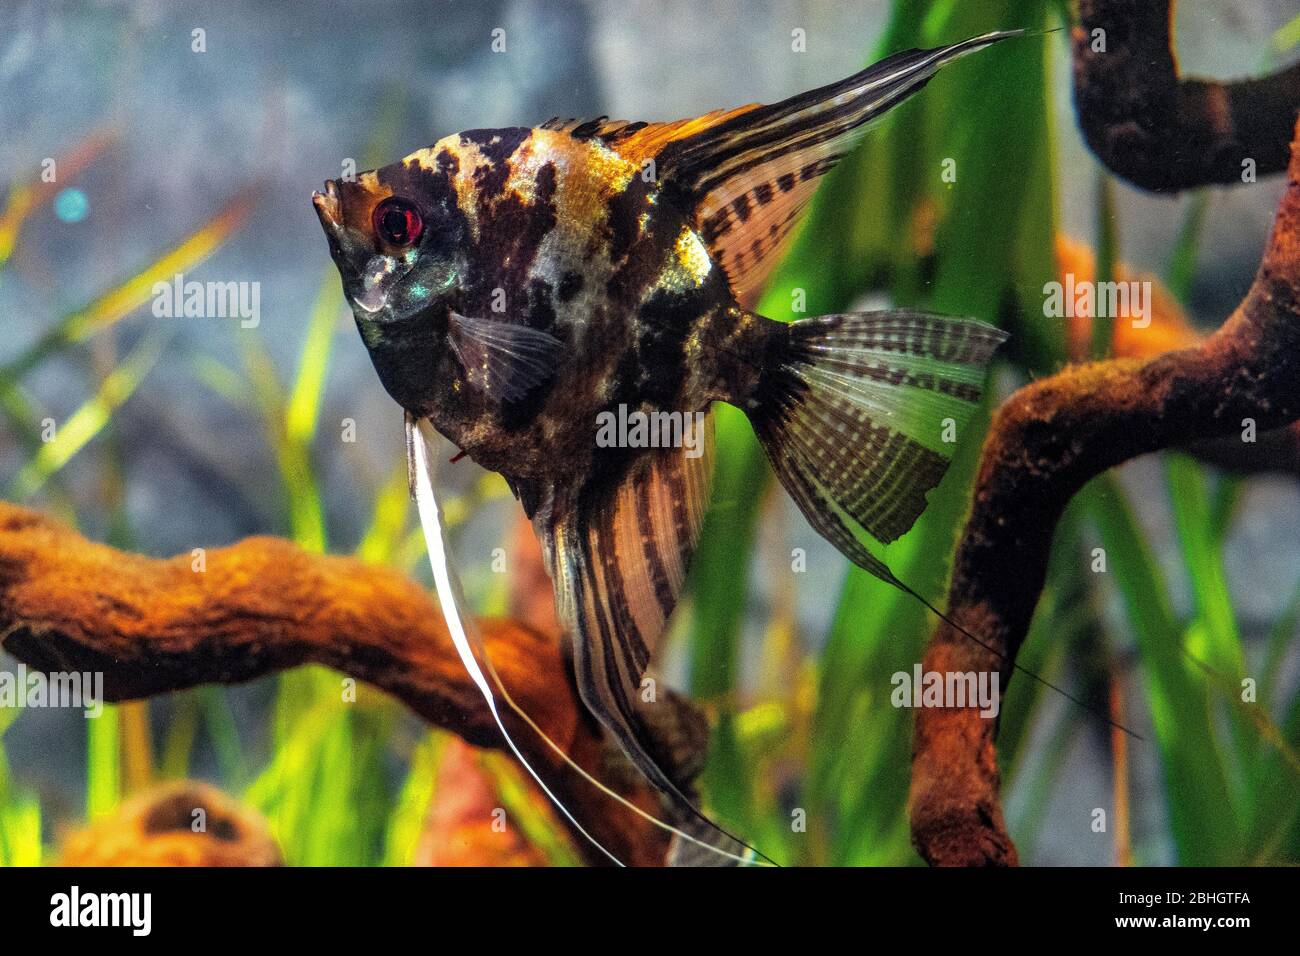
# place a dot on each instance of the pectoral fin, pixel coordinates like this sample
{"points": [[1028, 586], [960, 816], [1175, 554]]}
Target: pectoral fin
{"points": [[505, 361]]}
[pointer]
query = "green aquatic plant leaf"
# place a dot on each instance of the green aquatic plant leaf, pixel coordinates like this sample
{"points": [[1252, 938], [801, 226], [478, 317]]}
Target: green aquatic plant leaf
{"points": [[133, 292], [410, 812], [894, 224], [1103, 323], [981, 244], [90, 419], [1204, 814], [103, 763]]}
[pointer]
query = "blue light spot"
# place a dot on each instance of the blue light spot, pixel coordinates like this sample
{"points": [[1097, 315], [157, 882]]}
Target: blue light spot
{"points": [[71, 205]]}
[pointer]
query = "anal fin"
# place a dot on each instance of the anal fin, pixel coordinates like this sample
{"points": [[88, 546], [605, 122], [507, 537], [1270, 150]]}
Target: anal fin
{"points": [[618, 559]]}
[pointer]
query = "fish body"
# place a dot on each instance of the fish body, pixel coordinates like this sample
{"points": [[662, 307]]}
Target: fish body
{"points": [[513, 286], [564, 236]]}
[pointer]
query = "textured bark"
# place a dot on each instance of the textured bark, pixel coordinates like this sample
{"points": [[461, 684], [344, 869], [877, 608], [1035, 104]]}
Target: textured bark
{"points": [[1045, 442], [263, 605]]}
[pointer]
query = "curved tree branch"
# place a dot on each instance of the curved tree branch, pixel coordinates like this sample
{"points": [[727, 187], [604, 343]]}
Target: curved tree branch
{"points": [[1158, 130], [263, 605], [1046, 441]]}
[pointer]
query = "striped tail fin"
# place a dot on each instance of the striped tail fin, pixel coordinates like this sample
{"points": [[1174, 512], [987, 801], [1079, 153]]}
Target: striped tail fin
{"points": [[860, 414]]}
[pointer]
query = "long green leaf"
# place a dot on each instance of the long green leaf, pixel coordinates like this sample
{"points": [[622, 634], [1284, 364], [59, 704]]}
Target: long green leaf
{"points": [[1203, 814], [88, 420]]}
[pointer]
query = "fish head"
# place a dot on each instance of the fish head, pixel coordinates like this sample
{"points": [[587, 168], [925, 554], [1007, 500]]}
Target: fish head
{"points": [[400, 243]]}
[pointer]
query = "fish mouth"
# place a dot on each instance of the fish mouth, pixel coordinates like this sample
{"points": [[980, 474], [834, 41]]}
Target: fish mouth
{"points": [[369, 279], [328, 206]]}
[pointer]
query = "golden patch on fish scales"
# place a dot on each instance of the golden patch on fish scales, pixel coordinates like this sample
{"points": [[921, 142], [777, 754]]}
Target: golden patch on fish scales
{"points": [[565, 302]]}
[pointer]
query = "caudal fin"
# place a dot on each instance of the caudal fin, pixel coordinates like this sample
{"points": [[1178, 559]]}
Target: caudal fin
{"points": [[860, 414]]}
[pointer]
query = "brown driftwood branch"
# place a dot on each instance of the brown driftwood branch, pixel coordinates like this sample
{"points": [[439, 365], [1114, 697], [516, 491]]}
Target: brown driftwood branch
{"points": [[263, 605], [1046, 441], [1273, 452], [1164, 132]]}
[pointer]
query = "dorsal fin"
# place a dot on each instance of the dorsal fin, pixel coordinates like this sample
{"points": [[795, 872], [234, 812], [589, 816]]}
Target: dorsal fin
{"points": [[749, 178], [602, 127], [638, 141], [749, 172]]}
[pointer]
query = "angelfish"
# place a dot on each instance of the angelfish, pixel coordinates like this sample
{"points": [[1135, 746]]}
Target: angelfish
{"points": [[514, 285]]}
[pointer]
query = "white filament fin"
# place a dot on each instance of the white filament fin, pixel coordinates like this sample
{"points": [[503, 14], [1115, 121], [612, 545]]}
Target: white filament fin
{"points": [[448, 588], [650, 817]]}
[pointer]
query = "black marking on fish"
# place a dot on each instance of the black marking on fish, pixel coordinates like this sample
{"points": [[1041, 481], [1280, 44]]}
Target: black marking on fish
{"points": [[624, 216], [496, 145], [651, 254], [540, 311], [511, 231], [654, 561], [589, 128], [715, 226], [570, 286]]}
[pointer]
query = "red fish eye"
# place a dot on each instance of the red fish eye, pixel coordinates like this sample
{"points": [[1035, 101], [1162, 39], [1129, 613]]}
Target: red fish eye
{"points": [[398, 222]]}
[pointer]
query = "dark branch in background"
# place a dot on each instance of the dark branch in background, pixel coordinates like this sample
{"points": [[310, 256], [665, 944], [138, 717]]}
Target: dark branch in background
{"points": [[1273, 452], [1046, 441], [263, 605], [1166, 133]]}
